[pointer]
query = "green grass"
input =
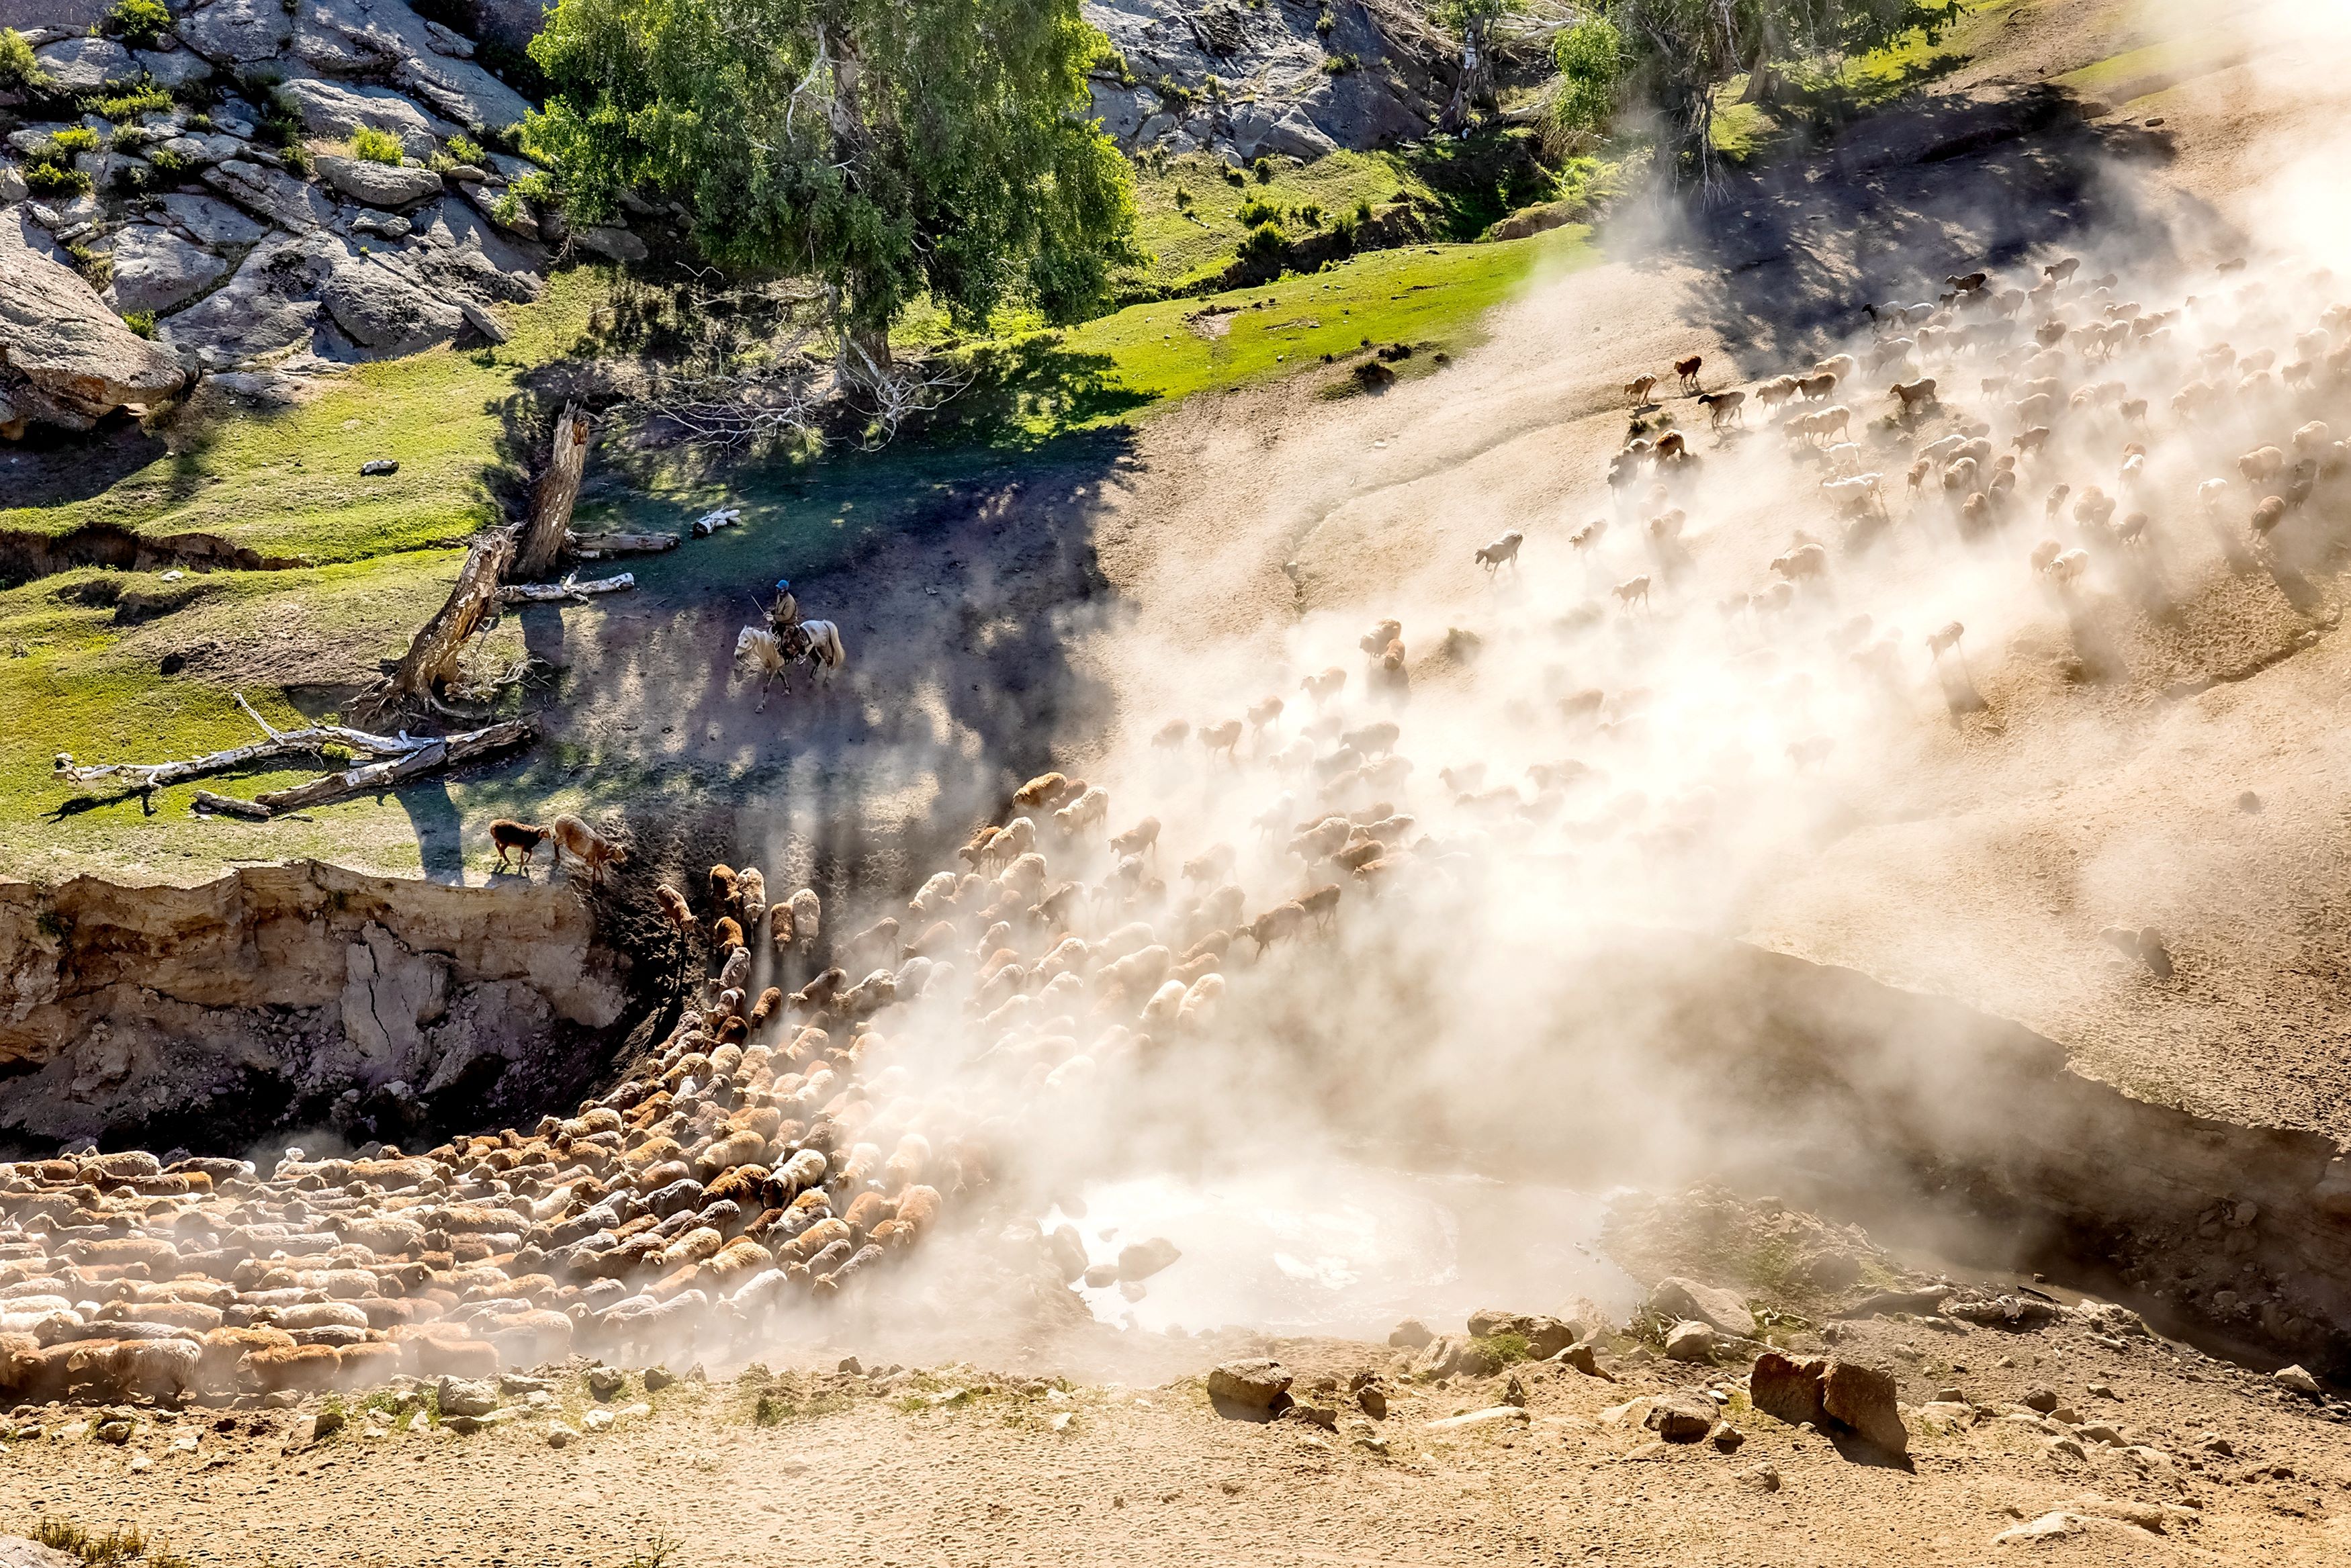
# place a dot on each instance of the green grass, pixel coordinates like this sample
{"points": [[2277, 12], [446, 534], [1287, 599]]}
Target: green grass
{"points": [[287, 485], [2154, 67], [1852, 86], [1196, 236]]}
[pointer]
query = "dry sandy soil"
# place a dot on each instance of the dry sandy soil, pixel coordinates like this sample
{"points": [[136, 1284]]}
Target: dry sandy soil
{"points": [[2153, 1455]]}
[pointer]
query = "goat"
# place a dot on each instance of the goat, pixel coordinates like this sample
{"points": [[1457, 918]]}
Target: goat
{"points": [[584, 844], [1639, 388], [1687, 370], [509, 837]]}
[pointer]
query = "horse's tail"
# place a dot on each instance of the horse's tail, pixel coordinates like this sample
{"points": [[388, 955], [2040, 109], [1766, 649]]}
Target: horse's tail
{"points": [[837, 650]]}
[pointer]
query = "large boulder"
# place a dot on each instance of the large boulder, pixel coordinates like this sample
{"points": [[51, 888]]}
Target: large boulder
{"points": [[1257, 1384], [201, 149], [155, 269], [336, 109], [1788, 1389], [171, 67], [1545, 1336], [209, 221], [237, 32], [1863, 1398], [84, 65], [394, 189], [64, 359], [271, 194], [269, 304], [1678, 1300]]}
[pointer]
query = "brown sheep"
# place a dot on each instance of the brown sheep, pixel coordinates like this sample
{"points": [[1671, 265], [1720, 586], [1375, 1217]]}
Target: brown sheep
{"points": [[1639, 388], [1326, 686], [1265, 714], [1913, 395], [1944, 639], [1043, 790], [1816, 389], [1632, 589], [1144, 836], [725, 934], [2269, 515], [2262, 465], [1687, 370], [1172, 734], [584, 844], [726, 889], [1723, 406], [675, 910], [764, 1008], [508, 837], [1376, 640], [1281, 921], [1224, 737]]}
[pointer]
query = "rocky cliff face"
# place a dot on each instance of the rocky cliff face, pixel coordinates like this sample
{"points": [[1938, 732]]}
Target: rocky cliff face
{"points": [[1292, 78], [201, 1016], [235, 217]]}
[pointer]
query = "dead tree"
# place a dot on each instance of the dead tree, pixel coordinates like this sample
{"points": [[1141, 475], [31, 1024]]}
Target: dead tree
{"points": [[432, 660], [557, 494]]}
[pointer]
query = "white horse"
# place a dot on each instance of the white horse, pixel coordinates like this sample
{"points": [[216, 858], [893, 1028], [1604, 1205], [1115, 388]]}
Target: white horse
{"points": [[759, 651]]}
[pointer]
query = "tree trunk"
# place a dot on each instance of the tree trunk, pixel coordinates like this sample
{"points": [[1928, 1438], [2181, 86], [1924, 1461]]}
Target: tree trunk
{"points": [[1476, 88], [558, 490], [431, 663]]}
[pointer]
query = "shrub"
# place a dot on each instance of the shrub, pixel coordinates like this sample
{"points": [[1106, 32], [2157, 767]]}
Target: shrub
{"points": [[74, 139], [144, 98], [142, 322], [281, 118], [138, 22], [466, 149], [1257, 210], [1264, 241], [1235, 176], [1309, 213], [1324, 22], [1262, 168], [19, 69], [95, 265], [168, 165], [54, 179], [377, 146], [1183, 200], [1339, 65]]}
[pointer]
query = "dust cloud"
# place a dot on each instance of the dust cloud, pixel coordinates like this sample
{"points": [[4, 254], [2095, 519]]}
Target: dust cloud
{"points": [[1313, 979]]}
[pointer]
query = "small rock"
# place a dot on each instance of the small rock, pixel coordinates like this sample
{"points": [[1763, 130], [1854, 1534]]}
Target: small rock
{"points": [[2248, 801], [1581, 1358], [511, 1384], [1726, 1437], [1690, 1341], [2042, 1399], [850, 1367], [1759, 1478], [1950, 1397], [1254, 1385], [140, 1464], [1321, 1416], [376, 466], [2103, 1391], [607, 1382], [116, 1432], [596, 1420], [2067, 1447], [467, 1396], [560, 1436], [1787, 1389], [1374, 1402], [326, 1423], [2214, 1443], [660, 1377], [1410, 1334], [1679, 1418], [2298, 1380]]}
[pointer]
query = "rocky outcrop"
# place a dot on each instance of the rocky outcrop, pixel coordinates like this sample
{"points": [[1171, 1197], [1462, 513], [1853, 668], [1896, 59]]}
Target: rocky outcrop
{"points": [[64, 359], [1244, 80], [244, 249], [291, 986]]}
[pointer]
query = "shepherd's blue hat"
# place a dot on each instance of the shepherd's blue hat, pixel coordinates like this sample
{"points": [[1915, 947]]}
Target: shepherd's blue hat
{"points": [[783, 585]]}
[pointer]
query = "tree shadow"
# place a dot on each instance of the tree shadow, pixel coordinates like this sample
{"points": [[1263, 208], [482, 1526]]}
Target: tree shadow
{"points": [[440, 839], [49, 467]]}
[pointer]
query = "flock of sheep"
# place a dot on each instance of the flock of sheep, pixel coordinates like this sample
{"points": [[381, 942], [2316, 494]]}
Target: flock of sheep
{"points": [[831, 1098]]}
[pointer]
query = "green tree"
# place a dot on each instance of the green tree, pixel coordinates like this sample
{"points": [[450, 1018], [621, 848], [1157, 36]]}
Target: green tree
{"points": [[1679, 53], [882, 148], [1590, 59]]}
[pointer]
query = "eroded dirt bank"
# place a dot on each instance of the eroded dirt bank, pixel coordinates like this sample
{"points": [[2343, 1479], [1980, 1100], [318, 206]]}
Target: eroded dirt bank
{"points": [[288, 996]]}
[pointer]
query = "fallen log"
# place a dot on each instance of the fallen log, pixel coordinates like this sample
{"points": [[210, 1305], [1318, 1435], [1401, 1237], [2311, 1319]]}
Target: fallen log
{"points": [[229, 805], [568, 588], [308, 740], [430, 756], [597, 546]]}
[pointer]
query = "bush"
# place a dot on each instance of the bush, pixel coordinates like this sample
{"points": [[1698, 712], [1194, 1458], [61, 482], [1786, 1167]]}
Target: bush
{"points": [[54, 179], [1590, 66], [74, 139], [1183, 200], [377, 146], [1339, 65], [1309, 213], [466, 149], [95, 265], [144, 98], [138, 22], [19, 69], [1265, 240], [1262, 168], [1257, 210], [168, 165], [142, 322]]}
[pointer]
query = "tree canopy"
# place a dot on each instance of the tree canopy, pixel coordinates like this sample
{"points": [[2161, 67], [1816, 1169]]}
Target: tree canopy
{"points": [[1679, 53], [885, 148]]}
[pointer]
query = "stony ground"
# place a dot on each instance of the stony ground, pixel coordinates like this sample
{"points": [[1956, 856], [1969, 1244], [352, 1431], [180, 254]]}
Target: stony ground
{"points": [[2149, 1452]]}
